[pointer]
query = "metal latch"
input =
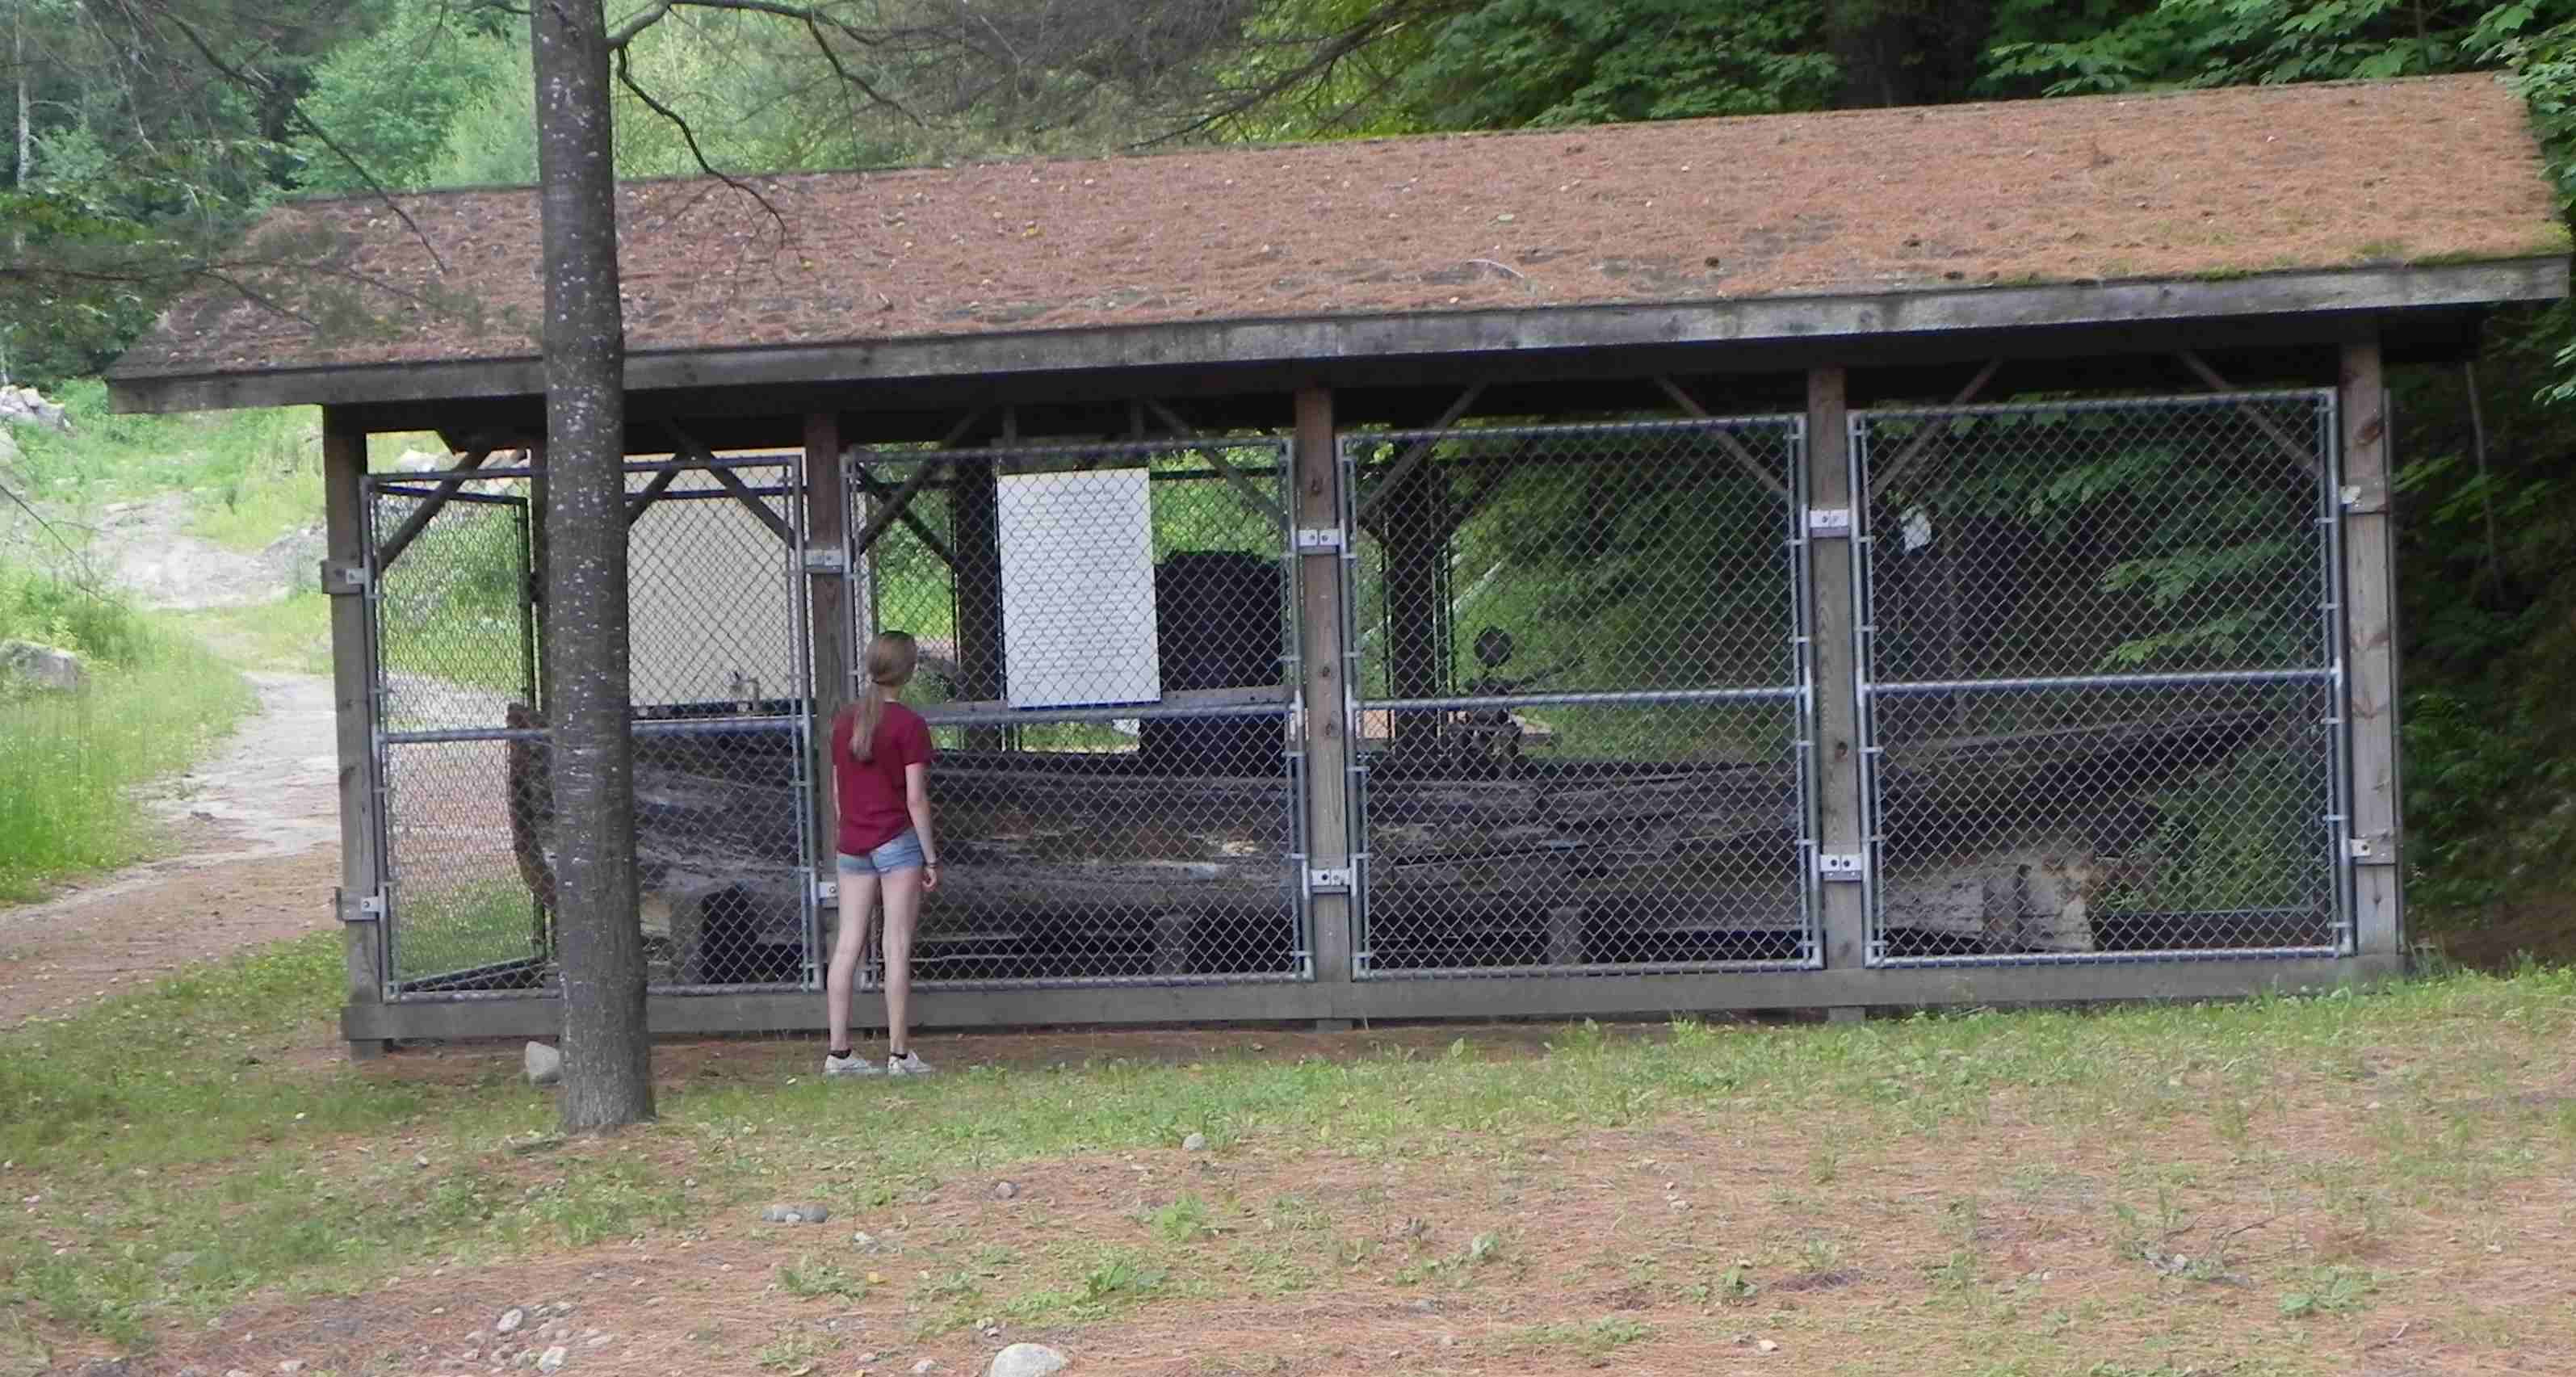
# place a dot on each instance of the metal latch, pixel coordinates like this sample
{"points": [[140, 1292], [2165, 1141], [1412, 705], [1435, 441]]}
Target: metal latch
{"points": [[826, 561], [1328, 879], [341, 577], [1319, 540], [1841, 865], [2374, 849], [359, 908], [1829, 522], [827, 891]]}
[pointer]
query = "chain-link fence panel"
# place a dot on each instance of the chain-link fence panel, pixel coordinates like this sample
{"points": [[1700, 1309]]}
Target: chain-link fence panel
{"points": [[1583, 712], [455, 653], [723, 793], [1107, 658], [2100, 684]]}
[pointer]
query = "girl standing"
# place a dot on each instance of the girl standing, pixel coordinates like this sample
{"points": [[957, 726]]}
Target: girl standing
{"points": [[880, 770]]}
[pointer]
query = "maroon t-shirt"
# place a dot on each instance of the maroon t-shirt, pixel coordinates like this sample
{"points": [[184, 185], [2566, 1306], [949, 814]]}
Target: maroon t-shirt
{"points": [[871, 791]]}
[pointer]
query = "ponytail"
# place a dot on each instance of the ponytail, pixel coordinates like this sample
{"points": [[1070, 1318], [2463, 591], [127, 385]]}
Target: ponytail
{"points": [[890, 660]]}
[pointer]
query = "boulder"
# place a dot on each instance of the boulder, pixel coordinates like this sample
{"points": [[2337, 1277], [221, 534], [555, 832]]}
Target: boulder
{"points": [[43, 666]]}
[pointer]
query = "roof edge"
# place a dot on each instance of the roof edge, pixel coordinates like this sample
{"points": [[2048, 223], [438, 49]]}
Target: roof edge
{"points": [[1343, 339]]}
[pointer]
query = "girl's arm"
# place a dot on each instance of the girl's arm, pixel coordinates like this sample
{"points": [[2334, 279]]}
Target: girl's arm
{"points": [[916, 801]]}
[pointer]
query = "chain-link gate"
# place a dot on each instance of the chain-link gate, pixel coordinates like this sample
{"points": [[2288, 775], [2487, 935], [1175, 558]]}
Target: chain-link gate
{"points": [[717, 657], [1583, 701], [454, 639], [2100, 680], [1108, 662]]}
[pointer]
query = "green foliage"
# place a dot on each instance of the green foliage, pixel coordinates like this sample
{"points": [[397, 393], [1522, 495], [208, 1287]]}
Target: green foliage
{"points": [[154, 704], [1510, 63], [390, 99]]}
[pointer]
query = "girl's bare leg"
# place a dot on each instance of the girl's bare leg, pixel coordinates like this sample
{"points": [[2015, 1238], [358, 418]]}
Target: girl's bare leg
{"points": [[902, 910], [858, 909]]}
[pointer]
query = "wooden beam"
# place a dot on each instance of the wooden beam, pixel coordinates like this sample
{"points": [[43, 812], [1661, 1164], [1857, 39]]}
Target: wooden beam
{"points": [[2299, 454], [1420, 450], [1843, 919], [1260, 500], [642, 502], [1326, 696], [2370, 655], [731, 482], [831, 627], [1734, 448], [353, 682], [1915, 448], [896, 505], [423, 514]]}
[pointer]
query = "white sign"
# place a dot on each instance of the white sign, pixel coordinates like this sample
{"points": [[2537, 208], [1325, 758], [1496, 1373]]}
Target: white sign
{"points": [[1078, 589]]}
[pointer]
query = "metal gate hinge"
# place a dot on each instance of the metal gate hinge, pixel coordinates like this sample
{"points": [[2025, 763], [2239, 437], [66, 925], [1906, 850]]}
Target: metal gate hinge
{"points": [[1841, 865], [2374, 849], [341, 577], [1328, 879], [826, 562], [827, 891], [1829, 522], [1319, 540], [359, 908]]}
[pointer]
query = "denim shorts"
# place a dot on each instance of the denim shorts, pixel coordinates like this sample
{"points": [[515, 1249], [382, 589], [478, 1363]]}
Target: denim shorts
{"points": [[903, 853]]}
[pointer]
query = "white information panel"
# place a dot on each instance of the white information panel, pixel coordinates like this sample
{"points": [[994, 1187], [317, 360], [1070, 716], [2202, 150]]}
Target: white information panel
{"points": [[1078, 589]]}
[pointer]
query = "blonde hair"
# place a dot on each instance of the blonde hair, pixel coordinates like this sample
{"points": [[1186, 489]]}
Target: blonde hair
{"points": [[891, 658]]}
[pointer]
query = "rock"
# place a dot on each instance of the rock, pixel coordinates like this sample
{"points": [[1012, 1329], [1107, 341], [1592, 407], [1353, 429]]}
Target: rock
{"points": [[553, 1360], [544, 1064], [795, 1214], [1026, 1360], [43, 666], [1196, 1142], [513, 1317], [296, 557], [1004, 1190], [600, 1340], [925, 1365], [291, 1365], [863, 1240]]}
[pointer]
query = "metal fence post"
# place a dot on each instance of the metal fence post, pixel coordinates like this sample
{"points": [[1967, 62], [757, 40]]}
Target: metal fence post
{"points": [[2370, 656], [1839, 812], [1318, 504], [353, 680]]}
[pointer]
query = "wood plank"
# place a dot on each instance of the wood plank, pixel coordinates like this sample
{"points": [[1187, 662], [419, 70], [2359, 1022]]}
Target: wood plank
{"points": [[1418, 451], [2370, 653], [1321, 647], [1843, 917], [896, 505], [1734, 449], [423, 514], [353, 675]]}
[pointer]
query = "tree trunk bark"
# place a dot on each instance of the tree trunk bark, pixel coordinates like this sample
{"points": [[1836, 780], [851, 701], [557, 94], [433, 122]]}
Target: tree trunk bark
{"points": [[607, 1053]]}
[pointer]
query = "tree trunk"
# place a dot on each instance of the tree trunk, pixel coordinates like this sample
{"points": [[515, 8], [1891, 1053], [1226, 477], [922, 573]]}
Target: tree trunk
{"points": [[607, 1073]]}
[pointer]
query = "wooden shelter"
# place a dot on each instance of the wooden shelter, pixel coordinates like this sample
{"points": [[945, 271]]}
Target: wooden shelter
{"points": [[1961, 534]]}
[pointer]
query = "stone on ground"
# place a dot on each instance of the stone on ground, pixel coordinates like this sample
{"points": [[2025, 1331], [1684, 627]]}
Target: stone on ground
{"points": [[43, 666], [1026, 1360], [544, 1064], [796, 1214]]}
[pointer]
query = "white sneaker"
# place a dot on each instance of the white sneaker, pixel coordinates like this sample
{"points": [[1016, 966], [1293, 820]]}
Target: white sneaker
{"points": [[851, 1065], [909, 1064]]}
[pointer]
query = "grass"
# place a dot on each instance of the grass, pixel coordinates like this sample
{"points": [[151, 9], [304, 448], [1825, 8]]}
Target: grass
{"points": [[155, 703], [249, 476], [291, 635], [176, 1187]]}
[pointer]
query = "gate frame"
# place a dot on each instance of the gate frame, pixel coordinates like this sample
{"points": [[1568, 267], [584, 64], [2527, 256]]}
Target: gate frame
{"points": [[1800, 693], [2333, 631]]}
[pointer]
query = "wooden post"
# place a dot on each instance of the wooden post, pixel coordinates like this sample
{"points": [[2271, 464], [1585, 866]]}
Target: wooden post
{"points": [[353, 684], [1837, 750], [2370, 655], [1320, 647], [829, 626]]}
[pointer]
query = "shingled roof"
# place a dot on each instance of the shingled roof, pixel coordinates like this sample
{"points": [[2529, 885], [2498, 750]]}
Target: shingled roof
{"points": [[1872, 206]]}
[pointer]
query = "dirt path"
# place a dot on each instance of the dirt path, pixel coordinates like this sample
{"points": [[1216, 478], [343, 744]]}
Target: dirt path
{"points": [[256, 853]]}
